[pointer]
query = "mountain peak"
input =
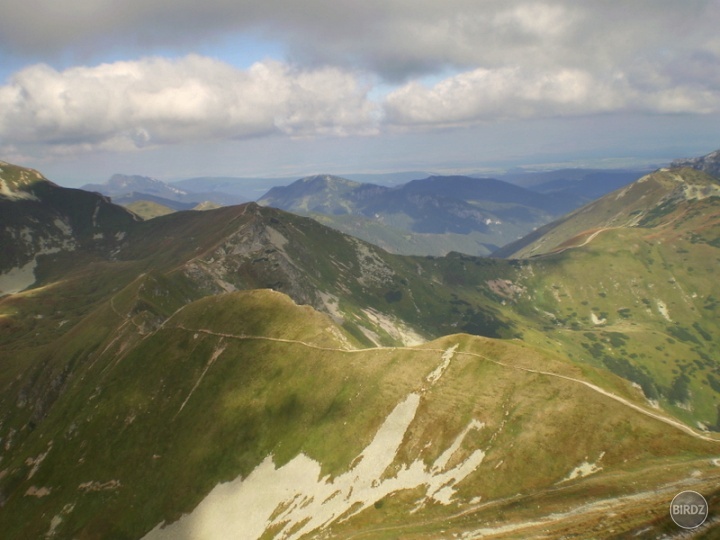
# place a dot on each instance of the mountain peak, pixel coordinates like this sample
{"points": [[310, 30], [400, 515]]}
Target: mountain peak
{"points": [[16, 182], [144, 184], [327, 180], [709, 163]]}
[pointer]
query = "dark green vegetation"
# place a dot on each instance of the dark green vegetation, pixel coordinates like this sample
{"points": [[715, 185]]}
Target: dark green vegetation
{"points": [[143, 366]]}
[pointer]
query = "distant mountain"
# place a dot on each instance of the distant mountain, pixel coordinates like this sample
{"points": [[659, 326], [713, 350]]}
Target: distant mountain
{"points": [[536, 180], [132, 188], [428, 217], [590, 186], [138, 197], [387, 179], [122, 184], [709, 163], [246, 188], [249, 372]]}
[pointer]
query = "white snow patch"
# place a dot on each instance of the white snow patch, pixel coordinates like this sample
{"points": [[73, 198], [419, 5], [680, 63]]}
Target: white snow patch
{"points": [[583, 470], [662, 308], [294, 500], [438, 371], [597, 320]]}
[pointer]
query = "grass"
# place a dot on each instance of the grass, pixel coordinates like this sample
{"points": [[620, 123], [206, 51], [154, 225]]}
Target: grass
{"points": [[110, 359]]}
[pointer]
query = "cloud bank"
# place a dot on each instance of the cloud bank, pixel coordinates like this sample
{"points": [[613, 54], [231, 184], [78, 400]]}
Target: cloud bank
{"points": [[158, 101], [349, 67]]}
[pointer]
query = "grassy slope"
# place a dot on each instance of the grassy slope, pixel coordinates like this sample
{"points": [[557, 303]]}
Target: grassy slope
{"points": [[100, 328], [148, 209], [149, 423]]}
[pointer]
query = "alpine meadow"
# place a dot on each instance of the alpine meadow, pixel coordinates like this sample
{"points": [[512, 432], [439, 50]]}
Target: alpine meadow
{"points": [[246, 372]]}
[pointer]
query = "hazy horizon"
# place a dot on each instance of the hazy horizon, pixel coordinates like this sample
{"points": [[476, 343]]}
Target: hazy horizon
{"points": [[285, 89]]}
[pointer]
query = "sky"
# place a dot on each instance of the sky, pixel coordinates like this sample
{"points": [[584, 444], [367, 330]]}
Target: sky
{"points": [[179, 88]]}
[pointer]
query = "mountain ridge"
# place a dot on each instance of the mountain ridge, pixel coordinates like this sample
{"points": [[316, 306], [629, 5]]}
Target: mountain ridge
{"points": [[521, 396], [443, 213]]}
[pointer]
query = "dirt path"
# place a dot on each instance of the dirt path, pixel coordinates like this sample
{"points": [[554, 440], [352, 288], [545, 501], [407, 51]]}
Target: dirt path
{"points": [[662, 418]]}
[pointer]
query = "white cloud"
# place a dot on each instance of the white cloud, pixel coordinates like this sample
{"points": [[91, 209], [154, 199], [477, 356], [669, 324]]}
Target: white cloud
{"points": [[495, 94], [511, 59], [159, 101], [396, 38]]}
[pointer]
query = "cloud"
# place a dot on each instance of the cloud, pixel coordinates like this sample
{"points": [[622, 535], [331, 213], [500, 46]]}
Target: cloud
{"points": [[483, 95], [158, 101], [509, 59], [395, 38]]}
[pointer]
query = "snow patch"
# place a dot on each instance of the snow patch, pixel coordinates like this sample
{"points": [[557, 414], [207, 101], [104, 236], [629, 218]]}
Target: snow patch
{"points": [[438, 371], [294, 500], [583, 470], [597, 320]]}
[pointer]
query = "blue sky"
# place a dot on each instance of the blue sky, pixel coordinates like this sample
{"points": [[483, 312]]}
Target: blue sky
{"points": [[174, 88]]}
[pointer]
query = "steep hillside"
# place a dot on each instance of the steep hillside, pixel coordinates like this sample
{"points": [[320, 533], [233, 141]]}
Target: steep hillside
{"points": [[214, 422], [39, 219], [248, 369], [423, 217], [638, 204]]}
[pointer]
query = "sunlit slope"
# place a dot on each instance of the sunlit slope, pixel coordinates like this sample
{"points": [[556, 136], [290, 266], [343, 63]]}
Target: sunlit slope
{"points": [[639, 294], [637, 205], [248, 385]]}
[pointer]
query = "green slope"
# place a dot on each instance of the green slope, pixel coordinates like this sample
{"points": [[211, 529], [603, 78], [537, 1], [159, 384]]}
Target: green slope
{"points": [[139, 375], [149, 423]]}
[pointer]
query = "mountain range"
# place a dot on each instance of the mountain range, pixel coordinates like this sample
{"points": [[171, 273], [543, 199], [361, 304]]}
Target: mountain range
{"points": [[422, 217], [432, 216], [128, 189], [249, 371]]}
